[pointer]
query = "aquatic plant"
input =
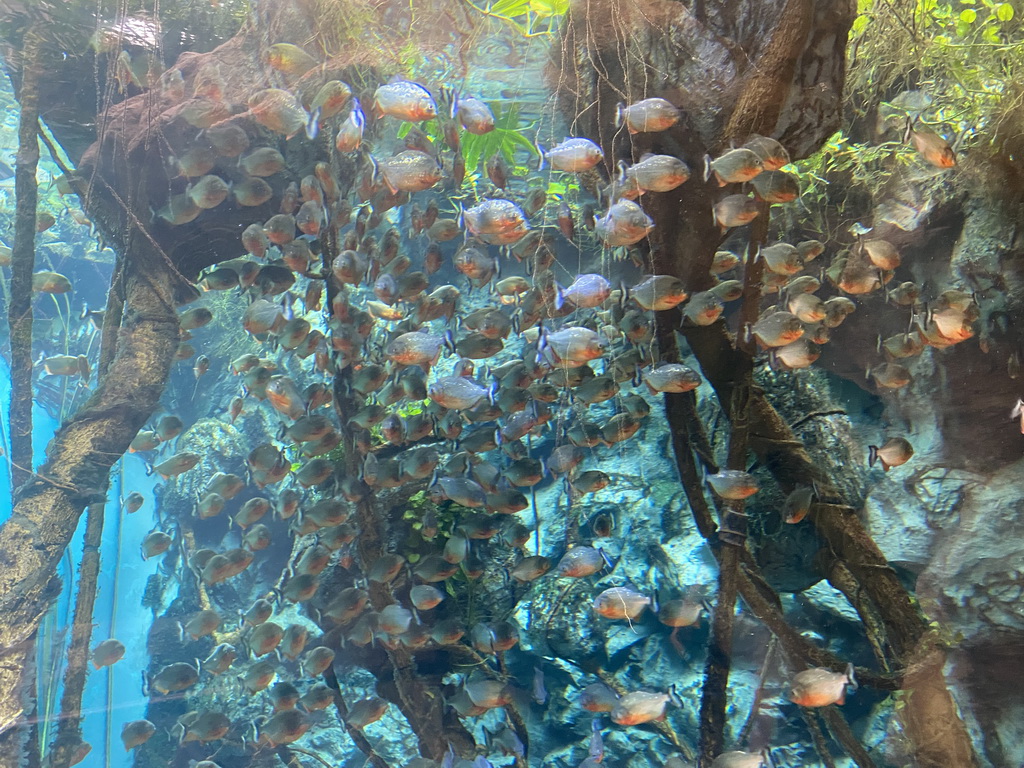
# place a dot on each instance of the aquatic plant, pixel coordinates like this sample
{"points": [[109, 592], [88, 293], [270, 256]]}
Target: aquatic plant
{"points": [[507, 137], [527, 17]]}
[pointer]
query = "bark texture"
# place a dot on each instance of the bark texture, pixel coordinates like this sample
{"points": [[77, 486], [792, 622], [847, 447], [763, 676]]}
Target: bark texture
{"points": [[78, 461], [23, 256], [69, 729]]}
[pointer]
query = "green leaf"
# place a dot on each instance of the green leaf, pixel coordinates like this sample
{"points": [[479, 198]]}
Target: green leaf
{"points": [[547, 8], [522, 141], [1004, 11], [991, 35], [968, 16], [510, 7]]}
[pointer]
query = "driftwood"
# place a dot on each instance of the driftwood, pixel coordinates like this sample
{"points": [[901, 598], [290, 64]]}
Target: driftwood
{"points": [[69, 731], [78, 461], [23, 256]]}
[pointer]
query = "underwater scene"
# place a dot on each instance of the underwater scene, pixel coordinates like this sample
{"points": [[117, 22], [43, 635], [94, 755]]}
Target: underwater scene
{"points": [[512, 383]]}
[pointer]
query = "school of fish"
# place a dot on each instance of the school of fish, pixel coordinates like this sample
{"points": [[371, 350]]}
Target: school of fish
{"points": [[450, 388]]}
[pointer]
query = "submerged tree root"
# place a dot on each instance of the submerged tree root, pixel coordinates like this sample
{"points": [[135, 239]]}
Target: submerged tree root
{"points": [[79, 459], [69, 731]]}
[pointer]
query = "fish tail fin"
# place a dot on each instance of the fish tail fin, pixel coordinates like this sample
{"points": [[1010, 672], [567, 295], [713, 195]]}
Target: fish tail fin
{"points": [[540, 156], [313, 124], [673, 696], [706, 604], [872, 455], [620, 114], [707, 167], [853, 684], [559, 297]]}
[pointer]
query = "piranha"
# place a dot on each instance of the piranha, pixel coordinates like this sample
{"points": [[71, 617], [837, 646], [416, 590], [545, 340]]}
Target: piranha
{"points": [[289, 59], [818, 687], [220, 659], [933, 148], [890, 375], [136, 732], [50, 282], [639, 707], [279, 111], [733, 484], [734, 167], [881, 253], [473, 115], [739, 759], [655, 173], [202, 726], [493, 217], [108, 652], [284, 727], [209, 192], [772, 154], [797, 505], [621, 603], [330, 99], [409, 171], [585, 292], [317, 661], [264, 161], [894, 452], [572, 155], [598, 697], [404, 100], [735, 211], [366, 711], [782, 259], [776, 187], [350, 134], [258, 676], [1018, 413], [671, 377], [647, 115], [176, 677], [625, 223], [777, 329], [458, 392]]}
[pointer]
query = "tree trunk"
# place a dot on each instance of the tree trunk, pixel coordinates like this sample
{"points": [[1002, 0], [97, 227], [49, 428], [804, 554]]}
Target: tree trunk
{"points": [[78, 461], [23, 256], [69, 730]]}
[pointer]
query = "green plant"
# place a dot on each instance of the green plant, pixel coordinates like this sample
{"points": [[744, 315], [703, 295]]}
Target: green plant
{"points": [[506, 137], [529, 18]]}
